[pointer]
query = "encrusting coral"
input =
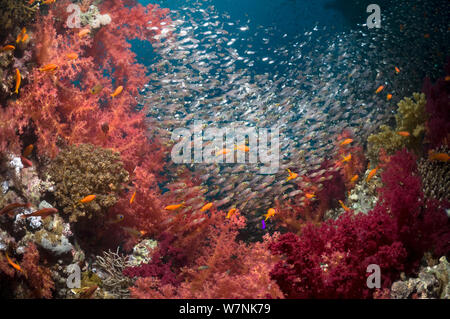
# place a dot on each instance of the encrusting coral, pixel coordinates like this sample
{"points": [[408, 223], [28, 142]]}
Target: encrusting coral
{"points": [[410, 120], [84, 170]]}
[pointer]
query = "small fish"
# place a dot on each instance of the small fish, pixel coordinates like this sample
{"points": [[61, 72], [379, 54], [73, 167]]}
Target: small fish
{"points": [[389, 97], [270, 212], [291, 175], [397, 70], [97, 89], [8, 48], [48, 1], [206, 207], [132, 197], [87, 199], [24, 38], [45, 212], [48, 67], [26, 162], [31, 1], [174, 207], [27, 151], [380, 88], [309, 195], [118, 90], [72, 56], [134, 232], [87, 294], [18, 80], [9, 208], [14, 265], [371, 174], [117, 219], [83, 33], [21, 35], [223, 151], [441, 157], [343, 206], [231, 212], [242, 148], [346, 158], [354, 179], [346, 141], [403, 133]]}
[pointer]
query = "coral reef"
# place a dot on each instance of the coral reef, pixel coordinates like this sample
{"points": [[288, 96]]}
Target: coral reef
{"points": [[410, 119], [431, 283], [84, 170], [15, 13]]}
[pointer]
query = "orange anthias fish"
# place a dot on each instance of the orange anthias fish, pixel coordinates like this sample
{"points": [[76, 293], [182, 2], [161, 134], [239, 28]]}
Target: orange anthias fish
{"points": [[9, 208], [72, 56], [48, 67], [27, 151], [380, 88], [223, 151], [442, 157], [242, 148], [347, 158], [309, 195], [8, 48], [354, 179], [346, 141], [291, 175], [87, 199], [117, 91], [24, 38], [83, 33], [206, 207], [403, 133], [132, 197], [371, 174], [14, 265], [343, 206], [21, 35], [397, 70], [270, 212], [174, 207], [231, 212], [389, 97], [45, 212], [18, 80]]}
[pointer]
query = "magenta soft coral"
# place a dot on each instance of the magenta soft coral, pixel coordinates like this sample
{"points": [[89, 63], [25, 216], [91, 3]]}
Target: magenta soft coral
{"points": [[330, 260]]}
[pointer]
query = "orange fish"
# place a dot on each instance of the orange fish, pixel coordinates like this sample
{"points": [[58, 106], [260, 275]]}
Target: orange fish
{"points": [[45, 212], [27, 151], [371, 174], [117, 91], [26, 162], [9, 208], [24, 38], [174, 207], [83, 33], [343, 206], [18, 80], [380, 88], [132, 197], [14, 265], [31, 1], [346, 141], [48, 1], [8, 48], [397, 70], [309, 195], [442, 157], [346, 158], [88, 199], [242, 148], [206, 207], [223, 151], [403, 133], [389, 97], [48, 67], [354, 179], [72, 56], [291, 175], [270, 212], [231, 212], [21, 35], [134, 232]]}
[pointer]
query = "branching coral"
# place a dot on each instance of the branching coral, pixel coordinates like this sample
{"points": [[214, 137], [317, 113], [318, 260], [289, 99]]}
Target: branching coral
{"points": [[85, 170], [410, 118]]}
